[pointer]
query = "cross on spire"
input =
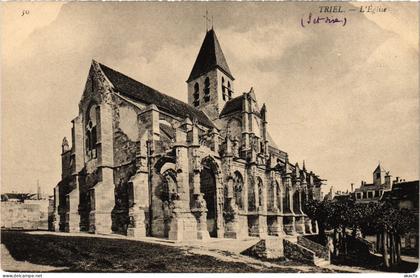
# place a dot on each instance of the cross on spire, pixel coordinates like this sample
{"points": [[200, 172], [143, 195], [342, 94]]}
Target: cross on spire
{"points": [[207, 20]]}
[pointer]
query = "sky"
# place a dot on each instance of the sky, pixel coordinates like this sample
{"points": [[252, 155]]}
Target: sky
{"points": [[342, 98]]}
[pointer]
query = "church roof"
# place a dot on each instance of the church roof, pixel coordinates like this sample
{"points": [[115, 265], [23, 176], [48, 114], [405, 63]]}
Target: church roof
{"points": [[233, 105], [139, 92], [209, 57], [236, 105]]}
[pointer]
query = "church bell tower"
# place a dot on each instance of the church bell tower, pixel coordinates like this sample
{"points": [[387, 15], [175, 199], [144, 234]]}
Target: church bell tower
{"points": [[210, 84]]}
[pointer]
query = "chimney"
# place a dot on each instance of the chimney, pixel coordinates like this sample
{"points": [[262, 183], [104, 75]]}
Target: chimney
{"points": [[352, 185], [388, 179], [38, 190]]}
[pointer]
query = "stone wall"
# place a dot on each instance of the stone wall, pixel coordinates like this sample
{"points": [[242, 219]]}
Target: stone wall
{"points": [[296, 252], [16, 215], [269, 248], [320, 251], [125, 146]]}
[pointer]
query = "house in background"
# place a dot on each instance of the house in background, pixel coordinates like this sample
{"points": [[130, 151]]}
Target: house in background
{"points": [[405, 195], [372, 192]]}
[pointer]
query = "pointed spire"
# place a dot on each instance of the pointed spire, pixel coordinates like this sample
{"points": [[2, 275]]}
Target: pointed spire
{"points": [[297, 171], [209, 58], [263, 112], [65, 145], [287, 166], [303, 167]]}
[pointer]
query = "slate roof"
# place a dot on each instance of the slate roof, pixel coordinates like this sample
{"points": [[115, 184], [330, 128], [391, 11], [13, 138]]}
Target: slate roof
{"points": [[209, 57], [140, 92], [404, 191], [233, 105]]}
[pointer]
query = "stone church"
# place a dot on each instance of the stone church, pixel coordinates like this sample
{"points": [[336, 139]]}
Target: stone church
{"points": [[142, 163]]}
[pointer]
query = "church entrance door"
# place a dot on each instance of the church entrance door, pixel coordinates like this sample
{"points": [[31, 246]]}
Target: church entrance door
{"points": [[208, 188]]}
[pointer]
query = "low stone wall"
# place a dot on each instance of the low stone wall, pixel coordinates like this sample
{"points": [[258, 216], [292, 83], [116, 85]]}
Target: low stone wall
{"points": [[369, 245], [299, 253], [320, 251], [16, 215], [269, 248]]}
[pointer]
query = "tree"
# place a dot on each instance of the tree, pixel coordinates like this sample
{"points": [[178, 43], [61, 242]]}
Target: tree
{"points": [[383, 219], [315, 210]]}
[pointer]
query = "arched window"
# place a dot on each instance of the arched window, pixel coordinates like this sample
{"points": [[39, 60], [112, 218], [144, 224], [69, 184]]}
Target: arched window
{"points": [[229, 90], [286, 200], [90, 131], [196, 94], [223, 89], [279, 195], [251, 194], [270, 196], [296, 201], [260, 192], [238, 189], [206, 89]]}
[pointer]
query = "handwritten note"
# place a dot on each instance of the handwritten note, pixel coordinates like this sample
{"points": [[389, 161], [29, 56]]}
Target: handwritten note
{"points": [[338, 15]]}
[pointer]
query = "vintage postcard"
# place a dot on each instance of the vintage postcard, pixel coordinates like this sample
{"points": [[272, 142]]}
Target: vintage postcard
{"points": [[209, 137]]}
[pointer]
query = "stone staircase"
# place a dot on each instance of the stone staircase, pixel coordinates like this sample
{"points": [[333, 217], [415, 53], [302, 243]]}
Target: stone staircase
{"points": [[297, 248], [306, 250]]}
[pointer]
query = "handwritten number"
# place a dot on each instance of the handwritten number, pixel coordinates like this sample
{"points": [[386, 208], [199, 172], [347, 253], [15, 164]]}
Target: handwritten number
{"points": [[24, 12]]}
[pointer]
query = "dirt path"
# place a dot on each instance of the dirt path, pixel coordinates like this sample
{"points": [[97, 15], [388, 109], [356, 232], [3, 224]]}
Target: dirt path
{"points": [[11, 265]]}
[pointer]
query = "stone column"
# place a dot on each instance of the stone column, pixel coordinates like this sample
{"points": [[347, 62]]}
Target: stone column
{"points": [[199, 208], [292, 228], [104, 190], [245, 123], [140, 183], [73, 220], [215, 140], [200, 212], [183, 224], [274, 193], [315, 229], [262, 226], [73, 216], [232, 229], [55, 225], [104, 202], [308, 225], [300, 223]]}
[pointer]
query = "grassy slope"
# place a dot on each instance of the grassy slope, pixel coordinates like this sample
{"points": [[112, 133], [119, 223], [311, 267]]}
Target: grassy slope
{"points": [[84, 254]]}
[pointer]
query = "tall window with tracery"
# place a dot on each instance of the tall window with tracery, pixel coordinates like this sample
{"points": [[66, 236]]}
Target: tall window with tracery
{"points": [[260, 192], [279, 195], [238, 189], [91, 132], [286, 199]]}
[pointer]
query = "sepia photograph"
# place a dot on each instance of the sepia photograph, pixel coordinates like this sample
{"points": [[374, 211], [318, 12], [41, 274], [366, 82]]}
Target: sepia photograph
{"points": [[209, 137]]}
